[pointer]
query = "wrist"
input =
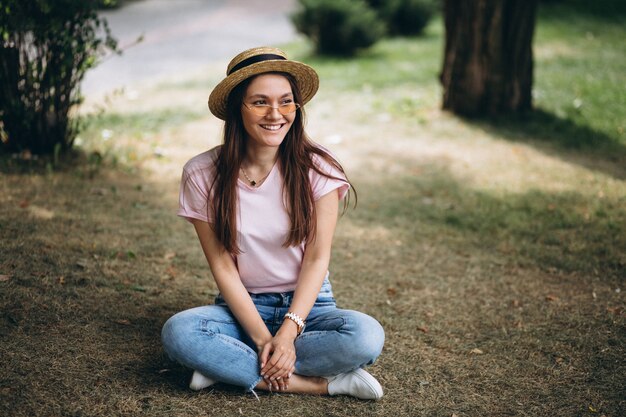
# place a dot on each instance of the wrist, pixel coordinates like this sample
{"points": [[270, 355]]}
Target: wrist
{"points": [[262, 341], [288, 329], [297, 320]]}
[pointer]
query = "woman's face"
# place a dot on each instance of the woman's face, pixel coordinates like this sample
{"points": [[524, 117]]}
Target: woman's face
{"points": [[268, 130]]}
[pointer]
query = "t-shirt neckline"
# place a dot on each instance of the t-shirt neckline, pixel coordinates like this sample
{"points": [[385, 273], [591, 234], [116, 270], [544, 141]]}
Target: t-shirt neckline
{"points": [[247, 185]]}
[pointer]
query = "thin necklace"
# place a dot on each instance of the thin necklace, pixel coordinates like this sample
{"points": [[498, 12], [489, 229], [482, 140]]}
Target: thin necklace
{"points": [[251, 181]]}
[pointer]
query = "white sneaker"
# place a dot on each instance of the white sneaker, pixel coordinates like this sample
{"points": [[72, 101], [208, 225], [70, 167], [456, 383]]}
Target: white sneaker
{"points": [[358, 383], [199, 381]]}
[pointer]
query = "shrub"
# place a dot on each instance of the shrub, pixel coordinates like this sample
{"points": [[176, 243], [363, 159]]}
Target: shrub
{"points": [[338, 27], [405, 17], [46, 47]]}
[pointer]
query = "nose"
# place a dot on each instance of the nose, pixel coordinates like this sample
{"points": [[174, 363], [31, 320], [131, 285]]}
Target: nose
{"points": [[273, 113]]}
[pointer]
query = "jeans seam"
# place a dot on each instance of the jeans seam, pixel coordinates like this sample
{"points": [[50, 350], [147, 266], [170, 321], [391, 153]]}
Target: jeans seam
{"points": [[227, 339]]}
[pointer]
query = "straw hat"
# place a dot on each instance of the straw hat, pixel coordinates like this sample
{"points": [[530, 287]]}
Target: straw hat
{"points": [[257, 61]]}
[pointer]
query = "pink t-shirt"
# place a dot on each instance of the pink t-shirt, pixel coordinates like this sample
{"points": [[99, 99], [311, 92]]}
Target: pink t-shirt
{"points": [[263, 222]]}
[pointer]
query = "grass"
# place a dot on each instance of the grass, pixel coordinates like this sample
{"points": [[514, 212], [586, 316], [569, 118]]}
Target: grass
{"points": [[491, 252]]}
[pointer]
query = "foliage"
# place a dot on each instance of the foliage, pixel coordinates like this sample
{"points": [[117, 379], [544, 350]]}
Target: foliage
{"points": [[47, 46], [405, 17], [338, 27]]}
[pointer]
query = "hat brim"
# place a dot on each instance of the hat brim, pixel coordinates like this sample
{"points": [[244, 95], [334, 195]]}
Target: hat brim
{"points": [[306, 78]]}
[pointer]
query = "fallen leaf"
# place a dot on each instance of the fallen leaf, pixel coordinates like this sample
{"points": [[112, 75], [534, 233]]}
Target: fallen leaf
{"points": [[4, 278], [122, 321], [476, 351], [169, 255], [551, 297], [422, 329], [593, 410], [515, 303], [391, 291], [61, 280], [615, 310], [81, 263], [171, 271], [24, 203], [41, 213]]}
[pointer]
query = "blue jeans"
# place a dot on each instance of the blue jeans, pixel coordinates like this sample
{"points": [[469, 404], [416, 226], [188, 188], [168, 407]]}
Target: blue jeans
{"points": [[210, 340]]}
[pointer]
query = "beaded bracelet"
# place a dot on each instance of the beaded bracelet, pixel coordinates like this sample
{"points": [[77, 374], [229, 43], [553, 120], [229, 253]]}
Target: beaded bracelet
{"points": [[296, 319]]}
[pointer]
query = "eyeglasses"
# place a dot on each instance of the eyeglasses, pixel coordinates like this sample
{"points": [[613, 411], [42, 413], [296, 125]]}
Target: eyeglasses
{"points": [[264, 109]]}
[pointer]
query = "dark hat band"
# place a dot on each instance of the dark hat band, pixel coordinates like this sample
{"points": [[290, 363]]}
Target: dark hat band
{"points": [[253, 60]]}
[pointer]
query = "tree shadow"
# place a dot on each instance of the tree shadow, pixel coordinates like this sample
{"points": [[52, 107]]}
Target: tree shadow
{"points": [[566, 230], [562, 138]]}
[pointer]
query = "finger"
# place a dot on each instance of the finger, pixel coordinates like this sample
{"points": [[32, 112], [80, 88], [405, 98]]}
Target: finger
{"points": [[271, 365], [282, 368], [271, 385], [264, 355], [279, 365], [282, 383]]}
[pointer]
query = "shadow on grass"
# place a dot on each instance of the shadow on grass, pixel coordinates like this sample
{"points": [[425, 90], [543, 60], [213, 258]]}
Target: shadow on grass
{"points": [[562, 138], [564, 231], [90, 285]]}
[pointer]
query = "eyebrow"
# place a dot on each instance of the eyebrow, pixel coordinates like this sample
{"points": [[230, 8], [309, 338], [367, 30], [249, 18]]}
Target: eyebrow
{"points": [[264, 96]]}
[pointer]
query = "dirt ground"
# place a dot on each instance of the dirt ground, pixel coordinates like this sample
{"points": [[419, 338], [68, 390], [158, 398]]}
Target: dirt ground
{"points": [[494, 261]]}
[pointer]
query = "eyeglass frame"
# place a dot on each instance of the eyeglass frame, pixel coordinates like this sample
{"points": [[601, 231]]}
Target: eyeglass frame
{"points": [[269, 108]]}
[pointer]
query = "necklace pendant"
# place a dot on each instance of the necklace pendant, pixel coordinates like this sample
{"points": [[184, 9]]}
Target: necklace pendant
{"points": [[253, 183]]}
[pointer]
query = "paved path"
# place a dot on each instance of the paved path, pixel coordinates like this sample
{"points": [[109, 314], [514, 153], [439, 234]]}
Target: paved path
{"points": [[183, 36]]}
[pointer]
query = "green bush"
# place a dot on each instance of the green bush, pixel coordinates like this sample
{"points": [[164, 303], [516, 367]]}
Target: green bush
{"points": [[405, 17], [46, 47], [338, 27]]}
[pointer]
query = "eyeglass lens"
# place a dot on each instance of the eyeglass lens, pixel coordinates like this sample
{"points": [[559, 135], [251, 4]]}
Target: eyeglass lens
{"points": [[264, 109]]}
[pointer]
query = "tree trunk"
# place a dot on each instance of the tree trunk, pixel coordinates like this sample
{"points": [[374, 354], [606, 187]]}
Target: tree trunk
{"points": [[488, 63]]}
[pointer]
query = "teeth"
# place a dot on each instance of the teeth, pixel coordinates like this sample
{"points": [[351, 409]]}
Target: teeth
{"points": [[271, 127]]}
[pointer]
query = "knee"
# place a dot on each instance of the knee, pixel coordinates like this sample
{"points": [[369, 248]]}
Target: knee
{"points": [[174, 333], [369, 338]]}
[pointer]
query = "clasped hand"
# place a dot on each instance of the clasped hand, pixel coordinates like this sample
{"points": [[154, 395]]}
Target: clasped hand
{"points": [[278, 359]]}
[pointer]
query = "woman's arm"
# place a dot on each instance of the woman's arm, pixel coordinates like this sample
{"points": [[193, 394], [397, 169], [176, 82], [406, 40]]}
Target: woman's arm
{"points": [[229, 283], [314, 268]]}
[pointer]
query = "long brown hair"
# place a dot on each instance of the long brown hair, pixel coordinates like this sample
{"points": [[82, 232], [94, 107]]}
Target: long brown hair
{"points": [[295, 155]]}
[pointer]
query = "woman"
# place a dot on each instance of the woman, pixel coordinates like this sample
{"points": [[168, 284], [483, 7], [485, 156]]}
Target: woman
{"points": [[264, 206]]}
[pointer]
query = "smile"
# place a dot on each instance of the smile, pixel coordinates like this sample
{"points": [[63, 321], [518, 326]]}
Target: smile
{"points": [[272, 127]]}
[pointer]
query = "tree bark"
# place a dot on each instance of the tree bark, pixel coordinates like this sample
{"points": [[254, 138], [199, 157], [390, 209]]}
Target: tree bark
{"points": [[488, 63]]}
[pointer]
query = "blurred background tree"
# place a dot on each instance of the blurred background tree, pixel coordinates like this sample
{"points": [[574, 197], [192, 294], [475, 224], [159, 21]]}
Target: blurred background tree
{"points": [[46, 48], [343, 27], [405, 17], [488, 63], [338, 27]]}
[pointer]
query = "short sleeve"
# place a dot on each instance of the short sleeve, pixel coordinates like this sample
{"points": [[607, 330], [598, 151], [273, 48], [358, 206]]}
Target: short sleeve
{"points": [[324, 184], [193, 199]]}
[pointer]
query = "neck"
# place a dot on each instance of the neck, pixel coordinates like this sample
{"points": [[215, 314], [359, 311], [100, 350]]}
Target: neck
{"points": [[261, 157]]}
